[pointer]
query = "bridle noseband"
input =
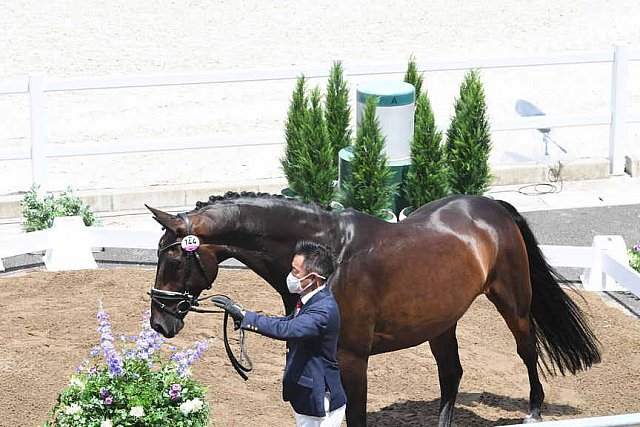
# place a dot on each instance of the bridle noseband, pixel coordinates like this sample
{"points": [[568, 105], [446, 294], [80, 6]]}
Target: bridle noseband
{"points": [[183, 302]]}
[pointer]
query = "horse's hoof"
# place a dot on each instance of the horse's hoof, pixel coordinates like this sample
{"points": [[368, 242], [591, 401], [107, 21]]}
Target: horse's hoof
{"points": [[530, 419]]}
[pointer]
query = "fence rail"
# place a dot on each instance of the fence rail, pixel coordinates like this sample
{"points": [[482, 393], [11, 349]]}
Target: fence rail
{"points": [[69, 242], [36, 86], [623, 420]]}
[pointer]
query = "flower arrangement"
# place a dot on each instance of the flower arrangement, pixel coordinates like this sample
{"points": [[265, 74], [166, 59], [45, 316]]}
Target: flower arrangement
{"points": [[135, 385], [634, 257]]}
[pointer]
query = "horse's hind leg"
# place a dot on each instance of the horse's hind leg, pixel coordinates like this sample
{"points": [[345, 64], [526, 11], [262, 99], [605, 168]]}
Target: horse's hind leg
{"points": [[514, 308], [445, 351]]}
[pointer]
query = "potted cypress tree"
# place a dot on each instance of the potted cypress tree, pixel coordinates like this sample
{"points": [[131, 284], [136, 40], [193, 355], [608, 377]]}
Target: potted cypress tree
{"points": [[317, 169], [338, 116], [368, 189], [412, 76], [338, 111], [428, 177], [469, 140], [294, 125]]}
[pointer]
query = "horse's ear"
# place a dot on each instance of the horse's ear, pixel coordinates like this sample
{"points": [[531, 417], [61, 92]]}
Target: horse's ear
{"points": [[165, 219]]}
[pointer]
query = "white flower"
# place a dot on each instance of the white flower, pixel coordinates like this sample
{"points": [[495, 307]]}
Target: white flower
{"points": [[106, 423], [193, 405], [137, 411], [72, 409], [76, 382]]}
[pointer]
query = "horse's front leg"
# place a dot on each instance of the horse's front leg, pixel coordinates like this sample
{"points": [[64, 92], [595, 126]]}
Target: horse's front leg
{"points": [[353, 370], [445, 350]]}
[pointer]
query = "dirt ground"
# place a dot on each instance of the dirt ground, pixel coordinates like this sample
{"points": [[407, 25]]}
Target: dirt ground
{"points": [[48, 326]]}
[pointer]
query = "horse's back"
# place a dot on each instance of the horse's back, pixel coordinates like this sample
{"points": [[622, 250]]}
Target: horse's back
{"points": [[458, 204]]}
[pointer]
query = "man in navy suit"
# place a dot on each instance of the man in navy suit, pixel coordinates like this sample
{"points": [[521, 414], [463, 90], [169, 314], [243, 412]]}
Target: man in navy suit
{"points": [[311, 381]]}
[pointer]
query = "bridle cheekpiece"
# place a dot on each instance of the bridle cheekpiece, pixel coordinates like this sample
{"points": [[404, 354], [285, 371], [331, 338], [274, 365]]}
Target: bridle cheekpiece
{"points": [[184, 302]]}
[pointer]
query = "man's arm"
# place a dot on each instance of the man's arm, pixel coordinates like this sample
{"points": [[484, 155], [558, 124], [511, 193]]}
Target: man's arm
{"points": [[309, 324]]}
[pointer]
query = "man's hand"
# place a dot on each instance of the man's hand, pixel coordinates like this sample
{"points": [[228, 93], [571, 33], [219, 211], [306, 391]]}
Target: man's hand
{"points": [[230, 306]]}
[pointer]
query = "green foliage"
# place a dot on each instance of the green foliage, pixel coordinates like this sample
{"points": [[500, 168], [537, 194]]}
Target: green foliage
{"points": [[81, 404], [369, 187], [38, 212], [317, 168], [412, 76], [634, 257], [428, 177], [133, 386], [468, 139], [294, 128], [338, 111]]}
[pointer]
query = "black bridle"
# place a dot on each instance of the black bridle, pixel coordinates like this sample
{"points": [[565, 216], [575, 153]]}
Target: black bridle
{"points": [[184, 302]]}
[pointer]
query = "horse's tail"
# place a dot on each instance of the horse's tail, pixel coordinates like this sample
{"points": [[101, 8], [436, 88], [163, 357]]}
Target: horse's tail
{"points": [[557, 323]]}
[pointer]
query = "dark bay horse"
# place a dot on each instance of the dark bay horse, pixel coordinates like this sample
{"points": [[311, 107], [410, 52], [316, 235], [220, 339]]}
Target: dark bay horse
{"points": [[397, 285]]}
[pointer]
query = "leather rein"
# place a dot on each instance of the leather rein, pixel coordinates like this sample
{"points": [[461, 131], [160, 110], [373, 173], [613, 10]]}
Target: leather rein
{"points": [[184, 302]]}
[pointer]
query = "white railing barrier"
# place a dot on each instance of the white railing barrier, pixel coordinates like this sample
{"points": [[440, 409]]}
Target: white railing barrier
{"points": [[623, 420], [37, 86], [69, 243], [619, 102]]}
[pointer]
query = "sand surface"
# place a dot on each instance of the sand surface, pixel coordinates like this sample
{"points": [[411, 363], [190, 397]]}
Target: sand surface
{"points": [[48, 327]]}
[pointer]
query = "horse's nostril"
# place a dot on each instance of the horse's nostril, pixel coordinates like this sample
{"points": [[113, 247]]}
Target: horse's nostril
{"points": [[159, 328]]}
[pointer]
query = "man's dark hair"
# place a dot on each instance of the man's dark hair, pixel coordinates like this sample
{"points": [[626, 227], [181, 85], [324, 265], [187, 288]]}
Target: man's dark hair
{"points": [[318, 258]]}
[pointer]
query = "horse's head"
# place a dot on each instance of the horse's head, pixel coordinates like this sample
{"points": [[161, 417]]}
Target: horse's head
{"points": [[187, 265]]}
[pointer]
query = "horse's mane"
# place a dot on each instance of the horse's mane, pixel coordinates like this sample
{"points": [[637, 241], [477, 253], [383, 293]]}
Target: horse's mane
{"points": [[233, 195]]}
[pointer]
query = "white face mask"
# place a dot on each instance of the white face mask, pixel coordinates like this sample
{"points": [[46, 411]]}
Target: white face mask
{"points": [[293, 283]]}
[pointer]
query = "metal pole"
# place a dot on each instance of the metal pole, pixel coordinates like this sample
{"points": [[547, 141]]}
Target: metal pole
{"points": [[619, 102], [38, 134]]}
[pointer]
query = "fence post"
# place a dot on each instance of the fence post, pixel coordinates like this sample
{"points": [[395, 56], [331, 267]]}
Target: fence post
{"points": [[619, 101], [595, 278], [38, 133]]}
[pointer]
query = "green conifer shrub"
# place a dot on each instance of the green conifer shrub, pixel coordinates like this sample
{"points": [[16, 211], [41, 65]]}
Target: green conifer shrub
{"points": [[368, 189], [317, 168], [412, 76], [337, 109], [428, 177], [469, 140], [294, 126]]}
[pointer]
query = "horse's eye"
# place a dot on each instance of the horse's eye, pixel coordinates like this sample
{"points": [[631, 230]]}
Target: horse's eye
{"points": [[173, 261]]}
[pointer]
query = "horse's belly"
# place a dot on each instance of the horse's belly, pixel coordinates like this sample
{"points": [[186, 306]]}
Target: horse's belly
{"points": [[397, 337]]}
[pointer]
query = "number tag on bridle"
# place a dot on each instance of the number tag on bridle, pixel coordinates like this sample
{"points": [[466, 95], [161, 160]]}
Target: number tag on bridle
{"points": [[190, 243]]}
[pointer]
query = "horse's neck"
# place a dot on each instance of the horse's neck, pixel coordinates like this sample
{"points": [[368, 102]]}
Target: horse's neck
{"points": [[262, 235]]}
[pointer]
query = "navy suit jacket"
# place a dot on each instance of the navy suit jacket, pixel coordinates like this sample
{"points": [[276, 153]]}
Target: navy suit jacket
{"points": [[312, 340]]}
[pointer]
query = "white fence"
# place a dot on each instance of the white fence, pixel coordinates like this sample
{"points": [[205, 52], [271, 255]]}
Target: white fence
{"points": [[37, 86], [623, 420], [68, 244]]}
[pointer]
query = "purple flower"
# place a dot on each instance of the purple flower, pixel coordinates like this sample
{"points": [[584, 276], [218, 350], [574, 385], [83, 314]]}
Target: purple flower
{"points": [[111, 356], [636, 248], [147, 341], [176, 387], [174, 395], [108, 400], [104, 392], [184, 359]]}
